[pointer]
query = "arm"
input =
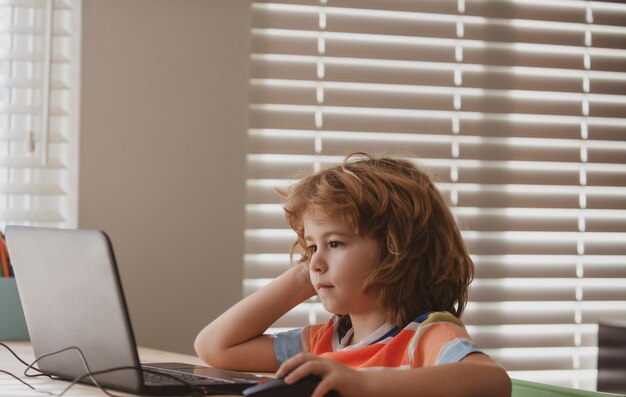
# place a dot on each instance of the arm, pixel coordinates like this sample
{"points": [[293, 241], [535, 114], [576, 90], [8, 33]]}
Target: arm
{"points": [[235, 339], [476, 375]]}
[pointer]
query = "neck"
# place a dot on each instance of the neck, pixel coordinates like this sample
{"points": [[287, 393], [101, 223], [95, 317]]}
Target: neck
{"points": [[365, 325]]}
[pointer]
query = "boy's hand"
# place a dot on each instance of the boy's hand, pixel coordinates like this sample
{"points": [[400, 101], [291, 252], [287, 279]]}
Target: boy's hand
{"points": [[304, 277], [334, 375]]}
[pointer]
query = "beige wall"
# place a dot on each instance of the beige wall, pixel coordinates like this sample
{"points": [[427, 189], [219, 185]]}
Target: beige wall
{"points": [[162, 156]]}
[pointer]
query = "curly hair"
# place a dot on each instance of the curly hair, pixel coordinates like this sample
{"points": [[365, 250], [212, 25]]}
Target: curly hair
{"points": [[424, 264]]}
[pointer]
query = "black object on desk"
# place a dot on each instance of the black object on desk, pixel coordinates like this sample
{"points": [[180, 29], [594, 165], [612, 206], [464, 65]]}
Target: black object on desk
{"points": [[278, 388], [612, 357]]}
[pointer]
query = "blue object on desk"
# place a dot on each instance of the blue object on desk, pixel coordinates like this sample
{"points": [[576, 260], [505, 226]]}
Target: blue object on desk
{"points": [[12, 322]]}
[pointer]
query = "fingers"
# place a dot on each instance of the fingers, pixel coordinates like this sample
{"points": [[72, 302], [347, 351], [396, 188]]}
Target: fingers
{"points": [[304, 278], [331, 373], [295, 362], [312, 367], [325, 386]]}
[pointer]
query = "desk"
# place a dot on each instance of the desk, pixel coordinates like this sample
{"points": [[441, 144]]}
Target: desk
{"points": [[9, 387]]}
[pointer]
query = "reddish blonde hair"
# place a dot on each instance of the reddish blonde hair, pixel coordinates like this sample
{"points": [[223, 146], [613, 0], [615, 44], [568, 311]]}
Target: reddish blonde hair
{"points": [[424, 264]]}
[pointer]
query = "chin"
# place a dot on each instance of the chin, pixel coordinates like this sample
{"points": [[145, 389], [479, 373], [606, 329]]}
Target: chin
{"points": [[333, 309]]}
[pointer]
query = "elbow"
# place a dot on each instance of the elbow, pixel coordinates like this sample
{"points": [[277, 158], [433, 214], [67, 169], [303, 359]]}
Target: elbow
{"points": [[199, 347], [205, 350], [494, 382], [211, 352], [509, 386], [502, 383]]}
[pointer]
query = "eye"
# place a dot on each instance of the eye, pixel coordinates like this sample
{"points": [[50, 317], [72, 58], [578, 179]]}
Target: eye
{"points": [[312, 248], [334, 244]]}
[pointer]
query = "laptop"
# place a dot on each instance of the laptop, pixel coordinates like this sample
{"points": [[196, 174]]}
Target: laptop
{"points": [[71, 294]]}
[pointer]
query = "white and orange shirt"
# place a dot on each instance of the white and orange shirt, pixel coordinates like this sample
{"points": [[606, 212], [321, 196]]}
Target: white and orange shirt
{"points": [[431, 339]]}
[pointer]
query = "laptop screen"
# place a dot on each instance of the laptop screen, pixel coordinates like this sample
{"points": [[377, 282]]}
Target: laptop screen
{"points": [[71, 294]]}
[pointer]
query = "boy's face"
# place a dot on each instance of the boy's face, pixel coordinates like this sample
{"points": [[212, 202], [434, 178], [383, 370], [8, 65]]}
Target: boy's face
{"points": [[340, 263]]}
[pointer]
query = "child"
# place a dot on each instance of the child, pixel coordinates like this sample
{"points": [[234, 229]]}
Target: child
{"points": [[381, 249]]}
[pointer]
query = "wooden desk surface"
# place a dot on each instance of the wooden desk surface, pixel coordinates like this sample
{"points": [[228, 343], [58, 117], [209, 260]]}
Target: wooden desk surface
{"points": [[10, 387]]}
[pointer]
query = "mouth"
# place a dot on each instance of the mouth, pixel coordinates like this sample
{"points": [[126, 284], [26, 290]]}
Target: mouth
{"points": [[323, 287]]}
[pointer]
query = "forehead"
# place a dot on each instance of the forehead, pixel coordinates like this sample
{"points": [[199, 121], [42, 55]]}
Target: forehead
{"points": [[316, 221]]}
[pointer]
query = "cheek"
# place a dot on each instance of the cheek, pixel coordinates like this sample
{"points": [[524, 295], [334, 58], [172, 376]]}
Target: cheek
{"points": [[368, 265], [370, 259], [362, 269]]}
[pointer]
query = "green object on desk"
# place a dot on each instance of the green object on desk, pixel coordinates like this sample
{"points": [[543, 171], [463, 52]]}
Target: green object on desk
{"points": [[12, 322], [523, 388]]}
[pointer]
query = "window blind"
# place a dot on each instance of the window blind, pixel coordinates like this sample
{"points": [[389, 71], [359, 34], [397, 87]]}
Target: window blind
{"points": [[39, 44], [519, 110]]}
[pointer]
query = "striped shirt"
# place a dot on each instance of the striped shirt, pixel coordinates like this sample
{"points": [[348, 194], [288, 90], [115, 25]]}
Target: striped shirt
{"points": [[431, 339]]}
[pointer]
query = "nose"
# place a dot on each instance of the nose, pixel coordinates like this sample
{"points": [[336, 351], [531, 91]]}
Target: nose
{"points": [[317, 264]]}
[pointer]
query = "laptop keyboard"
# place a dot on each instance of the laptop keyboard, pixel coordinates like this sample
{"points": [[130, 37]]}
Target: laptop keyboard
{"points": [[153, 378]]}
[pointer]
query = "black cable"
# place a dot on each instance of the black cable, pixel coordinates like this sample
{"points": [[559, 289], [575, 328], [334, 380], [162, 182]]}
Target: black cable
{"points": [[17, 377], [23, 362], [193, 389], [77, 379]]}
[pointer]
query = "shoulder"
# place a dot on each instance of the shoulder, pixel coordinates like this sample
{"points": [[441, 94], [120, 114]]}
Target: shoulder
{"points": [[438, 326], [429, 318], [289, 343], [434, 320], [312, 334], [439, 338], [321, 338]]}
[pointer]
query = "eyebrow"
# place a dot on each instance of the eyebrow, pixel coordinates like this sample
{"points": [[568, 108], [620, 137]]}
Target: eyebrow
{"points": [[341, 234]]}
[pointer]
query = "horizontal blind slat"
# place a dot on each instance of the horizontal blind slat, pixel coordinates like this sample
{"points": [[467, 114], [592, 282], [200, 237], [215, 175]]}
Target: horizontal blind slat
{"points": [[30, 163], [437, 73], [552, 358], [532, 336], [535, 289], [548, 312], [486, 219], [31, 189], [16, 216]]}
